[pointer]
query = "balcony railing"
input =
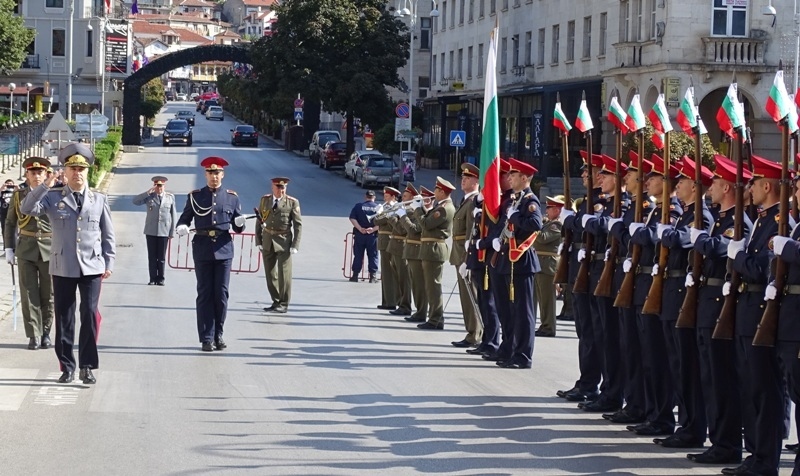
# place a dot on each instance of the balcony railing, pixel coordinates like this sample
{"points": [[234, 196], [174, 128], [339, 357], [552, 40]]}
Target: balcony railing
{"points": [[30, 62], [734, 51]]}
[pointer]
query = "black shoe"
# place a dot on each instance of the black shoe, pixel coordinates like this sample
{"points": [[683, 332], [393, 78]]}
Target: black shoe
{"points": [[563, 393], [33, 343], [580, 396], [219, 344], [741, 470], [513, 364], [66, 377], [653, 430], [207, 347], [372, 278], [544, 333], [462, 343], [492, 357], [271, 308], [280, 309], [601, 405], [428, 326], [793, 448], [151, 283], [562, 317], [86, 376], [623, 417], [676, 441], [353, 279], [476, 351], [386, 307], [160, 283], [414, 319], [716, 456], [400, 312], [46, 342]]}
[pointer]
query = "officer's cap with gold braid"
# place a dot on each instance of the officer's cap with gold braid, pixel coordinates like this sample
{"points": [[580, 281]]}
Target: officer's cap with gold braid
{"points": [[36, 163], [410, 189], [610, 166], [159, 180], [689, 171], [214, 164], [392, 191], [425, 192], [597, 160], [726, 169], [557, 201], [647, 166], [504, 166], [444, 185], [76, 155], [280, 181], [523, 168], [469, 170], [658, 167], [765, 168]]}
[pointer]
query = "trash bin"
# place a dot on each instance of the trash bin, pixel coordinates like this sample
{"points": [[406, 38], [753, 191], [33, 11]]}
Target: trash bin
{"points": [[408, 160], [147, 133]]}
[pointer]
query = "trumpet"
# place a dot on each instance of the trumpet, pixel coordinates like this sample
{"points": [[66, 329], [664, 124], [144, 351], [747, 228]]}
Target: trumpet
{"points": [[388, 210]]}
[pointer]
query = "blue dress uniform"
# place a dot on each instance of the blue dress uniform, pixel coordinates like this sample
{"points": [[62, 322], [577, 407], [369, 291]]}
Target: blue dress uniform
{"points": [[478, 269], [213, 212], [365, 242]]}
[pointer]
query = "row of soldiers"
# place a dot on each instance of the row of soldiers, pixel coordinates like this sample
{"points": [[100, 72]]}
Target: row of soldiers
{"points": [[637, 366]]}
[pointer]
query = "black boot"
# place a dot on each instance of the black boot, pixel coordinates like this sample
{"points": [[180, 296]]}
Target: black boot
{"points": [[372, 278]]}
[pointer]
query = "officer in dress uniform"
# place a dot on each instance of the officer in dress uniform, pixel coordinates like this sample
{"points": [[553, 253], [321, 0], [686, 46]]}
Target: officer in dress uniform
{"points": [[462, 229], [682, 342], [159, 225], [82, 255], [717, 372], [365, 239], [411, 253], [279, 226], [760, 378], [659, 390], [32, 250], [397, 242], [215, 212], [388, 274], [546, 246]]}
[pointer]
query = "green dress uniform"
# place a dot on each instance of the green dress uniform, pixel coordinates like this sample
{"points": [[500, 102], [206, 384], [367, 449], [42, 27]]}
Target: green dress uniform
{"points": [[388, 273], [411, 255], [32, 249], [462, 228], [279, 227], [395, 249], [437, 225], [546, 246]]}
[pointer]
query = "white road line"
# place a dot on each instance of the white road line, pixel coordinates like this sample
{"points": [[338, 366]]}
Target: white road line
{"points": [[14, 386]]}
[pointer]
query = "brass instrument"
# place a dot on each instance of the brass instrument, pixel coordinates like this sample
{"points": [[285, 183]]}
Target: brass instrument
{"points": [[391, 209]]}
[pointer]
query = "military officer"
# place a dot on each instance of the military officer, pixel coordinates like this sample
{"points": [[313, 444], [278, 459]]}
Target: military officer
{"points": [[82, 255], [397, 242], [388, 274], [546, 246], [32, 250], [278, 229], [462, 228], [411, 252], [215, 211], [159, 225]]}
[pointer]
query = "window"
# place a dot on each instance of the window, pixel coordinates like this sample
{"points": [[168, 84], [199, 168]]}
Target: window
{"points": [[54, 4], [453, 14], [59, 42], [471, 9], [452, 64], [503, 54], [637, 22], [516, 3], [603, 33], [624, 20], [17, 4], [652, 25], [587, 37], [469, 62], [444, 16], [89, 43], [729, 20], [425, 34], [433, 70], [443, 70], [492, 7], [505, 5], [481, 9], [480, 60], [515, 51], [528, 48], [554, 53], [460, 64], [571, 40], [540, 48], [461, 13]]}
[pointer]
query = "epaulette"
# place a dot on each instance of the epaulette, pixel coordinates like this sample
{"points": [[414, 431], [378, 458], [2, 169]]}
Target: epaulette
{"points": [[54, 189], [528, 195], [289, 197], [267, 195], [195, 191], [232, 192]]}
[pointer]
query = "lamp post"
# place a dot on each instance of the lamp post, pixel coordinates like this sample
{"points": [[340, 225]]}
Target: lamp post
{"points": [[28, 100], [11, 87], [410, 10], [70, 27]]}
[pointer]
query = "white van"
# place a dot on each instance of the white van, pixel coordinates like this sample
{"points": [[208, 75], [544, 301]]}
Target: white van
{"points": [[318, 141]]}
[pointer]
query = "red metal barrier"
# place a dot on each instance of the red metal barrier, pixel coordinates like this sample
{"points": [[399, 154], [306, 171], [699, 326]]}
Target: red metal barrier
{"points": [[246, 256], [347, 264]]}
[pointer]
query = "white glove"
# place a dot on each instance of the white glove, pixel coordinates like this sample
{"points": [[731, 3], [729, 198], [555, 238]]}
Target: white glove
{"points": [[734, 247], [239, 221], [634, 226], [9, 256], [627, 265], [655, 270], [565, 212], [689, 281], [661, 228], [379, 210], [476, 211], [581, 254], [400, 212], [612, 222], [726, 288], [293, 251], [260, 248], [511, 211], [462, 270], [496, 244], [778, 243], [480, 198], [182, 230], [694, 234], [586, 218], [560, 248], [607, 255], [417, 203], [770, 292], [466, 245]]}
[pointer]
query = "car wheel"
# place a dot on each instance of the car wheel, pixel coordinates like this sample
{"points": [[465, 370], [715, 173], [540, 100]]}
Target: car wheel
{"points": [[327, 166], [189, 144]]}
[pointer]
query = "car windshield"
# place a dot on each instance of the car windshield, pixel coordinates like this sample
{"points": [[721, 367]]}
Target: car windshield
{"points": [[245, 129], [380, 162], [325, 138], [185, 113], [177, 125]]}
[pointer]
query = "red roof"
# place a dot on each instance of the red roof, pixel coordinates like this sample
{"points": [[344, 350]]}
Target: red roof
{"points": [[198, 3], [188, 36], [260, 3]]}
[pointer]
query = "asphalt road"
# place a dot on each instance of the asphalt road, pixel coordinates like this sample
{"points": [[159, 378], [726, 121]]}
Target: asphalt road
{"points": [[332, 387]]}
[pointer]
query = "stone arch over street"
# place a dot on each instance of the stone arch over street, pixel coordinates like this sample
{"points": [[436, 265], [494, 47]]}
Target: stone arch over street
{"points": [[132, 89]]}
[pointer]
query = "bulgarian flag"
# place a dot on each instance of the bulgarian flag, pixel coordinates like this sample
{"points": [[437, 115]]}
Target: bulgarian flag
{"points": [[560, 120], [728, 115], [617, 115], [778, 101], [658, 139], [584, 121], [792, 119], [490, 142], [660, 117], [635, 119], [687, 114]]}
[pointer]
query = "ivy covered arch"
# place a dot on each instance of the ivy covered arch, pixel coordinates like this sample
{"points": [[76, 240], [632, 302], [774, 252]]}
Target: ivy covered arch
{"points": [[132, 90]]}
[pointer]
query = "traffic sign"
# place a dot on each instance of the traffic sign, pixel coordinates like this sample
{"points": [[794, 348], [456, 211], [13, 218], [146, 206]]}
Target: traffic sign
{"points": [[298, 115], [298, 103], [402, 129], [298, 109], [402, 110], [58, 129], [458, 138]]}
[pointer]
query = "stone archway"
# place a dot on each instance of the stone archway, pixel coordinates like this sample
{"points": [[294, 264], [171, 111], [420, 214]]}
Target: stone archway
{"points": [[133, 84], [709, 106]]}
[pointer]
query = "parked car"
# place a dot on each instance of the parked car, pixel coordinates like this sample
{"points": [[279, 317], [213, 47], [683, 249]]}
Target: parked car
{"points": [[194, 96], [182, 97], [214, 112], [381, 170], [356, 162], [177, 130], [244, 134], [187, 116], [169, 95], [318, 141], [334, 153], [207, 104]]}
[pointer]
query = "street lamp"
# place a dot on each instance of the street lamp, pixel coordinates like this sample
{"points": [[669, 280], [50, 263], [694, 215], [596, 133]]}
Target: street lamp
{"points": [[70, 54], [11, 87], [410, 10], [28, 100]]}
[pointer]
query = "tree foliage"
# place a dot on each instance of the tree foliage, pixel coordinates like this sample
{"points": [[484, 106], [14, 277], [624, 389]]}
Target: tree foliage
{"points": [[152, 98], [14, 37], [384, 140], [680, 144]]}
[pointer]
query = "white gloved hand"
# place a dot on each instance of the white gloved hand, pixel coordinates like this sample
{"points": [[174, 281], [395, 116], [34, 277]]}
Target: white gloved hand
{"points": [[586, 219], [634, 226], [726, 288], [182, 230], [293, 251], [694, 234], [400, 212], [612, 222], [476, 211], [655, 270], [565, 212], [511, 211], [607, 255], [734, 247], [496, 244], [480, 198], [260, 248], [462, 270], [581, 254], [379, 210], [560, 248], [466, 245], [9, 256], [770, 292], [689, 281], [778, 243], [661, 228], [627, 265], [417, 203], [239, 221]]}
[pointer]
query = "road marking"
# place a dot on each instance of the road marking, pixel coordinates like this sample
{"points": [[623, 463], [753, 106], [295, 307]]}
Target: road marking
{"points": [[57, 395], [14, 386]]}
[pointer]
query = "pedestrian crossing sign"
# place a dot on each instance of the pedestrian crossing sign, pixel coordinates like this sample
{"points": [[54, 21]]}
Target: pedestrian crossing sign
{"points": [[298, 115], [458, 138]]}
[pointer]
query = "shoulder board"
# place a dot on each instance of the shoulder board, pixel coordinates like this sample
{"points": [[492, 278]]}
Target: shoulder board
{"points": [[195, 191], [54, 189], [289, 197], [231, 192], [528, 195], [267, 195]]}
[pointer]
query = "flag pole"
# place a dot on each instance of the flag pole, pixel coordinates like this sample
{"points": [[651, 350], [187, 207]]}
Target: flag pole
{"points": [[582, 280]]}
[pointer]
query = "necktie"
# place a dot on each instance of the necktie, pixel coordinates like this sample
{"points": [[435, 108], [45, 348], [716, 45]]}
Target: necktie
{"points": [[78, 199], [275, 205]]}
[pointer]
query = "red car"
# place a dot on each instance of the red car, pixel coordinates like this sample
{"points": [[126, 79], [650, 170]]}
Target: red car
{"points": [[334, 153], [244, 134]]}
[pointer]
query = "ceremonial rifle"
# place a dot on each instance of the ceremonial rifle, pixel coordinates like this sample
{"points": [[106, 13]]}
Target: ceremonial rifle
{"points": [[582, 280], [562, 271], [625, 295], [603, 288], [652, 303]]}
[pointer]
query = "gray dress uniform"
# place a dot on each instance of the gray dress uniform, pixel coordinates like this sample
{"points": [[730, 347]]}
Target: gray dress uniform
{"points": [[159, 227]]}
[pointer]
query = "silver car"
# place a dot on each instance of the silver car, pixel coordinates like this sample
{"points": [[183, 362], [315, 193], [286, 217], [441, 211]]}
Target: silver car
{"points": [[356, 162], [378, 170], [214, 112]]}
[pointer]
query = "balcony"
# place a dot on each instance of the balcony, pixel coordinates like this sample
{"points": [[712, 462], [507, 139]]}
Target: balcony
{"points": [[30, 62], [727, 53]]}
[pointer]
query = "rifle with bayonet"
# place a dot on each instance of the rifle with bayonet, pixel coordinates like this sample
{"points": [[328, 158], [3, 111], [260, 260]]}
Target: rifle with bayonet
{"points": [[652, 303], [625, 295], [582, 280], [603, 288]]}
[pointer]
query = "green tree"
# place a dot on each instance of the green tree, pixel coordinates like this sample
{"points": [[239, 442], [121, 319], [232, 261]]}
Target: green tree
{"points": [[680, 144], [14, 36], [384, 140]]}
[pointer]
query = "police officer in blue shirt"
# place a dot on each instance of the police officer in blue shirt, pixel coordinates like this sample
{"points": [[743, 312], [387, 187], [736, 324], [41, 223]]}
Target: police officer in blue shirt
{"points": [[214, 211], [365, 236]]}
